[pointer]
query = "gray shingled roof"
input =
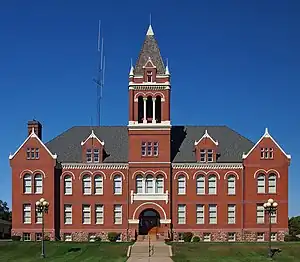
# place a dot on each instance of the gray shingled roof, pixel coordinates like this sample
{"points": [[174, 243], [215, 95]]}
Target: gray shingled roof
{"points": [[149, 49], [231, 144]]}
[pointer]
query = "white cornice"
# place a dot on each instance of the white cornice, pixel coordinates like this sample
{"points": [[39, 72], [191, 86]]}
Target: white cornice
{"points": [[134, 125], [207, 166], [94, 166]]}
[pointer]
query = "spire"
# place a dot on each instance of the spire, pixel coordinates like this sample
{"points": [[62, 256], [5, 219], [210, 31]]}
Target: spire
{"points": [[167, 72], [150, 31]]}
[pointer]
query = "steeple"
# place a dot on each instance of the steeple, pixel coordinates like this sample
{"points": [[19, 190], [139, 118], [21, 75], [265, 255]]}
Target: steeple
{"points": [[149, 49]]}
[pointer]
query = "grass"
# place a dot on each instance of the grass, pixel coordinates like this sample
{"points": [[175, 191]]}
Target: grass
{"points": [[234, 252], [63, 251]]}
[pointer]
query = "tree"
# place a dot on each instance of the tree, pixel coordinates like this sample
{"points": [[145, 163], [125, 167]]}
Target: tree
{"points": [[294, 226], [5, 214]]}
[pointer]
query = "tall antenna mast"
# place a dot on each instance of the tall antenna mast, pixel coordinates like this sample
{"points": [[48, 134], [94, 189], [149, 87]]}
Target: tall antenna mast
{"points": [[100, 75]]}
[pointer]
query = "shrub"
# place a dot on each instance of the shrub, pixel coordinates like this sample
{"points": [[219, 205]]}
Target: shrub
{"points": [[15, 238], [187, 236], [47, 238], [113, 236], [196, 239], [289, 238]]}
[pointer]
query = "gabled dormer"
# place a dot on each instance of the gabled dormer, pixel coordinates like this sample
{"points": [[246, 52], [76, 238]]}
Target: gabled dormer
{"points": [[149, 71], [206, 149], [92, 149]]}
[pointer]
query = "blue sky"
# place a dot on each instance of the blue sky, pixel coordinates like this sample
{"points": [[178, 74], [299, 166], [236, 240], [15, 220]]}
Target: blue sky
{"points": [[233, 63]]}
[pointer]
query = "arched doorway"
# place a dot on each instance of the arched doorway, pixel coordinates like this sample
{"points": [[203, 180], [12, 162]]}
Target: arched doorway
{"points": [[148, 219]]}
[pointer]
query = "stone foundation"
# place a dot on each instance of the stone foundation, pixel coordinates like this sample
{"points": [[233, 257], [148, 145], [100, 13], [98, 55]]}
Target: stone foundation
{"points": [[48, 234]]}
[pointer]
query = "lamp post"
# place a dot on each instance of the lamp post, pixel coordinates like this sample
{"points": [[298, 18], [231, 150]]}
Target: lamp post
{"points": [[270, 208], [42, 206]]}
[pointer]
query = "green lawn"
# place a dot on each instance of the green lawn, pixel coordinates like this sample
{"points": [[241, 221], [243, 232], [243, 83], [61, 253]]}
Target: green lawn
{"points": [[61, 251], [234, 252]]}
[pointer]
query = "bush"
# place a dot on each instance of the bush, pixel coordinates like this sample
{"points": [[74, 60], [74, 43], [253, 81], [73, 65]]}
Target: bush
{"points": [[289, 238], [113, 236], [46, 238], [15, 238], [187, 236], [97, 239], [196, 239]]}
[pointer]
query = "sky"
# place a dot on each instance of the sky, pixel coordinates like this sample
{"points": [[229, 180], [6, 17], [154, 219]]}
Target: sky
{"points": [[233, 63]]}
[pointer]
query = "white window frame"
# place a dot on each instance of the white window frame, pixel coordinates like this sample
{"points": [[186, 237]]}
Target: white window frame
{"points": [[260, 236], [26, 236], [68, 214], [212, 185], [118, 181], [202, 155], [118, 214], [26, 213], [274, 236], [96, 153], [206, 237], [68, 185], [231, 237], [155, 149], [68, 237], [98, 185], [159, 184], [231, 214], [144, 149], [181, 185], [274, 217], [260, 214], [200, 185], [210, 155], [181, 214], [27, 184], [99, 214], [200, 214], [87, 185], [272, 183], [149, 148], [261, 184], [149, 188], [231, 184], [38, 183], [139, 183], [213, 214], [86, 215], [38, 217], [89, 155]]}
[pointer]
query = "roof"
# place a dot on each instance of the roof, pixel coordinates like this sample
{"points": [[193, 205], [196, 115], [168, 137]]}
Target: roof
{"points": [[67, 146], [149, 49]]}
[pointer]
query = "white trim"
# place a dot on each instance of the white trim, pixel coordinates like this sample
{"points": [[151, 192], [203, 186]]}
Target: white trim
{"points": [[266, 172], [266, 135], [65, 173], [165, 221], [133, 221], [32, 173], [150, 162], [92, 135], [206, 173], [131, 73], [207, 166], [167, 72], [183, 172], [150, 196], [94, 166], [158, 172], [33, 135], [150, 30], [152, 65], [233, 173], [135, 125], [115, 173], [206, 135], [149, 203], [99, 172], [136, 96]]}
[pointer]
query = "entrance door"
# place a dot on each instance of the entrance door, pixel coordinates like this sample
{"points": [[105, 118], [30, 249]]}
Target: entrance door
{"points": [[148, 219]]}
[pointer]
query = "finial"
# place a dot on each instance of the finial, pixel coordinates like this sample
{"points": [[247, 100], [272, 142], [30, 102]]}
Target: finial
{"points": [[131, 72], [266, 133], [150, 30], [150, 22], [167, 72]]}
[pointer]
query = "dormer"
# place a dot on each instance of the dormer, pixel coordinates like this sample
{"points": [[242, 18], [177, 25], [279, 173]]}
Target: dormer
{"points": [[149, 71], [206, 149], [92, 149]]}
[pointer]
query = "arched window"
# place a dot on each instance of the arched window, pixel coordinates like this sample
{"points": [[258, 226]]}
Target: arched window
{"points": [[139, 184], [140, 109], [149, 108], [68, 185], [38, 184], [98, 185], [261, 183], [181, 185], [27, 184], [212, 185], [117, 184], [272, 183], [231, 185], [159, 184], [149, 184], [158, 109], [200, 186], [87, 185]]}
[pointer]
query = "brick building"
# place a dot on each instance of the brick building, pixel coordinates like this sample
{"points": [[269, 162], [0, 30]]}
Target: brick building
{"points": [[208, 180]]}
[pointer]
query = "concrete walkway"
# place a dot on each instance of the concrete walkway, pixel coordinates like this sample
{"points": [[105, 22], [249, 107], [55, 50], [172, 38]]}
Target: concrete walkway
{"points": [[160, 252]]}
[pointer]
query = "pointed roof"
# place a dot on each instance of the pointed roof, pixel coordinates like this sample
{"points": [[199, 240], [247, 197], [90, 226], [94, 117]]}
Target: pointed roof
{"points": [[149, 49]]}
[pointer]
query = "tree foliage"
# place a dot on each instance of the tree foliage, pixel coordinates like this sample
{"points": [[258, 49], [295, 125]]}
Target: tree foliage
{"points": [[294, 226], [5, 213]]}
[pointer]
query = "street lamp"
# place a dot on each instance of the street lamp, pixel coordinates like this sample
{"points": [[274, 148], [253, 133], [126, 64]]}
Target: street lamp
{"points": [[270, 208], [42, 206]]}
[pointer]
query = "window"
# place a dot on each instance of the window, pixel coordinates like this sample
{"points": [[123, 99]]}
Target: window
{"points": [[87, 185], [68, 185], [231, 214], [231, 237], [200, 185], [26, 213], [149, 149], [38, 217], [143, 148], [212, 185], [99, 211], [68, 214], [181, 214], [96, 155], [274, 217], [117, 214], [206, 237], [27, 184], [266, 153], [273, 236], [32, 153], [202, 155], [92, 237], [181, 185], [149, 76], [260, 214], [68, 237], [212, 210], [139, 184], [38, 237], [272, 183], [210, 156], [159, 184], [89, 155], [155, 148], [260, 237], [117, 185], [200, 214], [38, 184], [26, 236], [149, 184], [231, 185], [98, 185], [261, 184], [86, 214]]}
